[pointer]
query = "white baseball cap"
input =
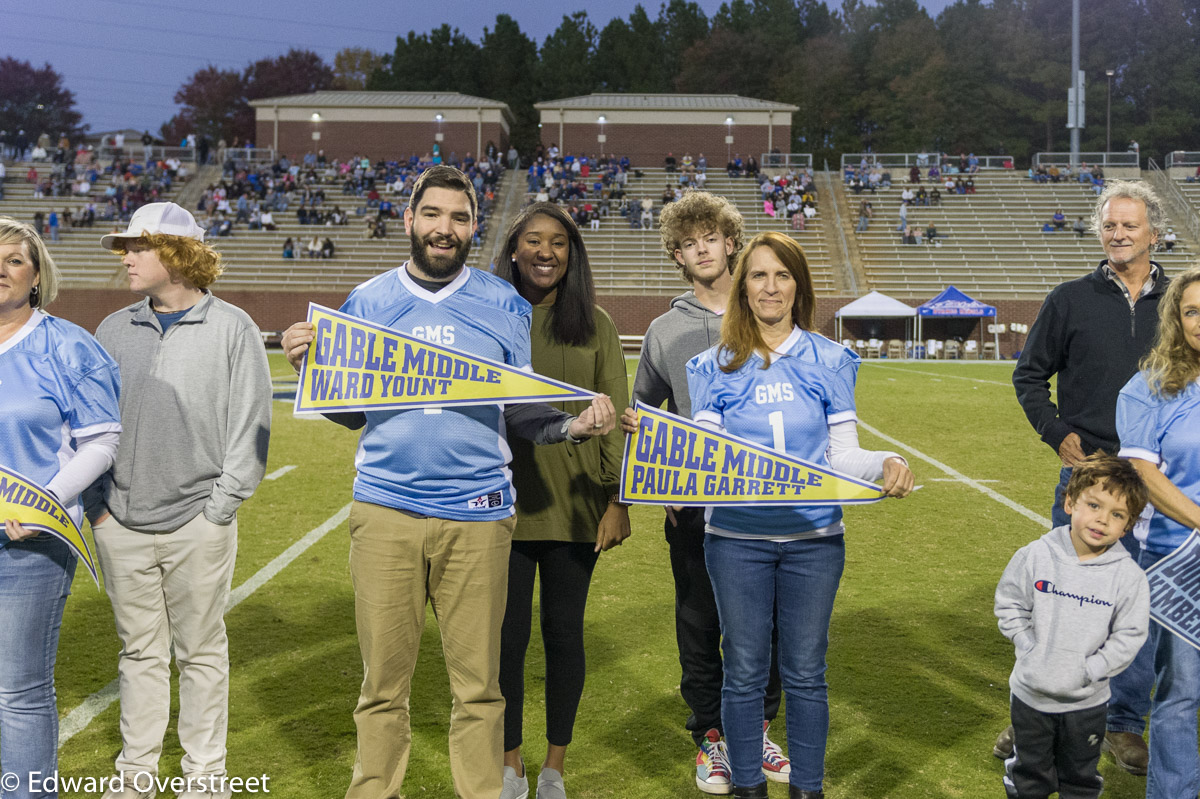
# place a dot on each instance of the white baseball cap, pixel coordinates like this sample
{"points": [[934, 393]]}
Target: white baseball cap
{"points": [[168, 218]]}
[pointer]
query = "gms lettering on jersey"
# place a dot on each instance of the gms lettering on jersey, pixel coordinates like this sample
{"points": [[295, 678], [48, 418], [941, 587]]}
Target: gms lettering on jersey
{"points": [[674, 461], [37, 509], [357, 365]]}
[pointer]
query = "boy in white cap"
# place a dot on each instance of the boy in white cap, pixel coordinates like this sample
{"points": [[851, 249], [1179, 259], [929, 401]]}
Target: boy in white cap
{"points": [[198, 414]]}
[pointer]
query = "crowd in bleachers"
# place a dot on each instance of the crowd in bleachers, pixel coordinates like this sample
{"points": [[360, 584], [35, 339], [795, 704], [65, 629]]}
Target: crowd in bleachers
{"points": [[1053, 173], [586, 186], [315, 187], [791, 195], [108, 190]]}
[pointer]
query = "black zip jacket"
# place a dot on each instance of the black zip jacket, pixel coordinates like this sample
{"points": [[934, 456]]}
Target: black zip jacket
{"points": [[1087, 334]]}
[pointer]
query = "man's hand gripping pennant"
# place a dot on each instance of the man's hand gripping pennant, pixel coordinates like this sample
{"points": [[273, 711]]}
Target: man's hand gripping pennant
{"points": [[355, 365], [674, 461]]}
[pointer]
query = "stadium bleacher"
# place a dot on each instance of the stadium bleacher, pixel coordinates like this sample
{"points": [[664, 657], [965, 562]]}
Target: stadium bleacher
{"points": [[991, 244], [253, 258], [631, 261]]}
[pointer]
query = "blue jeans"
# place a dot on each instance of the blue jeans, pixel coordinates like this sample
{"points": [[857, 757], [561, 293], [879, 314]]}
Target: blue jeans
{"points": [[1174, 762], [35, 579], [747, 577], [1130, 701]]}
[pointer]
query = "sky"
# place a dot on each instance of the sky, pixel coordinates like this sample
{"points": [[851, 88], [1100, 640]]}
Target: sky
{"points": [[125, 59]]}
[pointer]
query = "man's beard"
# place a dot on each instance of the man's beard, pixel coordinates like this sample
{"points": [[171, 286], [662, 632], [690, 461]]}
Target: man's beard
{"points": [[440, 266]]}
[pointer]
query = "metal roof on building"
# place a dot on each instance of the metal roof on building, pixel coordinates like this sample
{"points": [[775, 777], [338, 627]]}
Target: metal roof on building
{"points": [[355, 99], [665, 102]]}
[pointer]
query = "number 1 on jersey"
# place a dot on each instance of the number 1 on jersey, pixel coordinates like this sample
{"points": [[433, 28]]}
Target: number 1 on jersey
{"points": [[775, 418]]}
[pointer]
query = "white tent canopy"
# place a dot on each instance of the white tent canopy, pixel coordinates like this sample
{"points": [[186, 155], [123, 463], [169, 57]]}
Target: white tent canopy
{"points": [[873, 306]]}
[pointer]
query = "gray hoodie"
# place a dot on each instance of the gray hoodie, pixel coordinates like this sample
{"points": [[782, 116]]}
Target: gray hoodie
{"points": [[1074, 624], [673, 339]]}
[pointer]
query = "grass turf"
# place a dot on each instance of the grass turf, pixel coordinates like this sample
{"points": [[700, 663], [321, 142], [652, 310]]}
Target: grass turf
{"points": [[917, 669]]}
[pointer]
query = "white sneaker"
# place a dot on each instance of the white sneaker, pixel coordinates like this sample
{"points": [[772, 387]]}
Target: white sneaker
{"points": [[550, 785], [124, 786], [515, 787]]}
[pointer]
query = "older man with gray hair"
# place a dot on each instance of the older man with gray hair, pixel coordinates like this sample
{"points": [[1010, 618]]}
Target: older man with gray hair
{"points": [[1091, 332]]}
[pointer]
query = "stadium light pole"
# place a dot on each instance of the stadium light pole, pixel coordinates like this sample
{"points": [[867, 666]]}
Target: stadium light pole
{"points": [[438, 118], [1108, 114], [1075, 117], [729, 139], [600, 138]]}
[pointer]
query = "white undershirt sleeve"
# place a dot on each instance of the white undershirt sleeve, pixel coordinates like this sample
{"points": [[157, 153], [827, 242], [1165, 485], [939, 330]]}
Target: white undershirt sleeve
{"points": [[93, 457], [847, 457]]}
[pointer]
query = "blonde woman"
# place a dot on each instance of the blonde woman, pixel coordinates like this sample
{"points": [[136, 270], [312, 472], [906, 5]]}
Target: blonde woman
{"points": [[59, 425], [1158, 420]]}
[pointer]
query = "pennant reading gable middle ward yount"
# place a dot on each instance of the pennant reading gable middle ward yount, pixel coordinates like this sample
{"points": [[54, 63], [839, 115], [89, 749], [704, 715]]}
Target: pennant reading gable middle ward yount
{"points": [[671, 460], [355, 365], [37, 509]]}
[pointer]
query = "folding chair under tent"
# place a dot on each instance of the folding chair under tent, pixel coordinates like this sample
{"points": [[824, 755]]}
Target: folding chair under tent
{"points": [[953, 304]]}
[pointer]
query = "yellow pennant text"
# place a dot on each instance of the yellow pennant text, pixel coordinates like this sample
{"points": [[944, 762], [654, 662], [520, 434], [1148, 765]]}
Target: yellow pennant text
{"points": [[37, 509], [674, 461], [355, 365]]}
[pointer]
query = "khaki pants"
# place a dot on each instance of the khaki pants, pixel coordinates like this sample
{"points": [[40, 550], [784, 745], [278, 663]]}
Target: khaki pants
{"points": [[171, 588], [397, 562]]}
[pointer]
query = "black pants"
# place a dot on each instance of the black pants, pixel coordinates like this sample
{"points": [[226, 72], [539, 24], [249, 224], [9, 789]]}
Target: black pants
{"points": [[698, 629], [1055, 752], [564, 570]]}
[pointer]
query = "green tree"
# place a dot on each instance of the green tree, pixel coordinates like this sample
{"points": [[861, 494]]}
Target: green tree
{"points": [[567, 59], [630, 55], [512, 61], [682, 23], [353, 66]]}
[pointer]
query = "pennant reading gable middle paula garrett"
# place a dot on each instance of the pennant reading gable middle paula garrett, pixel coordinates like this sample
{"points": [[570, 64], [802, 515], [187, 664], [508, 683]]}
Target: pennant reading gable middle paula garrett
{"points": [[674, 461], [355, 365]]}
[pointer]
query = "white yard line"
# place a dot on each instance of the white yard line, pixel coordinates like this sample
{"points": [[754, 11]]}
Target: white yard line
{"points": [[960, 477], [955, 480], [280, 472], [83, 715], [940, 374]]}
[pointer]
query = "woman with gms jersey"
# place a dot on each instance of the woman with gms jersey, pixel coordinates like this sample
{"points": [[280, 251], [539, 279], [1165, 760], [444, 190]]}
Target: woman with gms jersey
{"points": [[775, 381], [567, 512], [1158, 420], [59, 427]]}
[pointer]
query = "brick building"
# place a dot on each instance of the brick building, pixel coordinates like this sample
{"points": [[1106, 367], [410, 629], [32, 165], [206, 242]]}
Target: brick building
{"points": [[380, 124], [646, 127]]}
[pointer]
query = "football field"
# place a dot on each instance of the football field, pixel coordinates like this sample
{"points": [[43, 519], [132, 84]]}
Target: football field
{"points": [[917, 668]]}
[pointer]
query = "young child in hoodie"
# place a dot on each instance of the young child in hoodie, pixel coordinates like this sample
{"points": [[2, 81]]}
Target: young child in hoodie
{"points": [[1077, 609]]}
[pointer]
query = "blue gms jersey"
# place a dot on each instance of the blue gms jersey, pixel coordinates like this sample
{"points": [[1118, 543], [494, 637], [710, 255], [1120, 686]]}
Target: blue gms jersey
{"points": [[788, 407], [1165, 432], [451, 463], [56, 384]]}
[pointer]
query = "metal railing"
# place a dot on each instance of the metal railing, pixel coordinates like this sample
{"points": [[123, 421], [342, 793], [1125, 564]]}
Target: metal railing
{"points": [[837, 221], [1183, 158], [890, 160], [246, 156], [922, 160], [137, 152], [1128, 159], [1181, 210], [785, 161]]}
